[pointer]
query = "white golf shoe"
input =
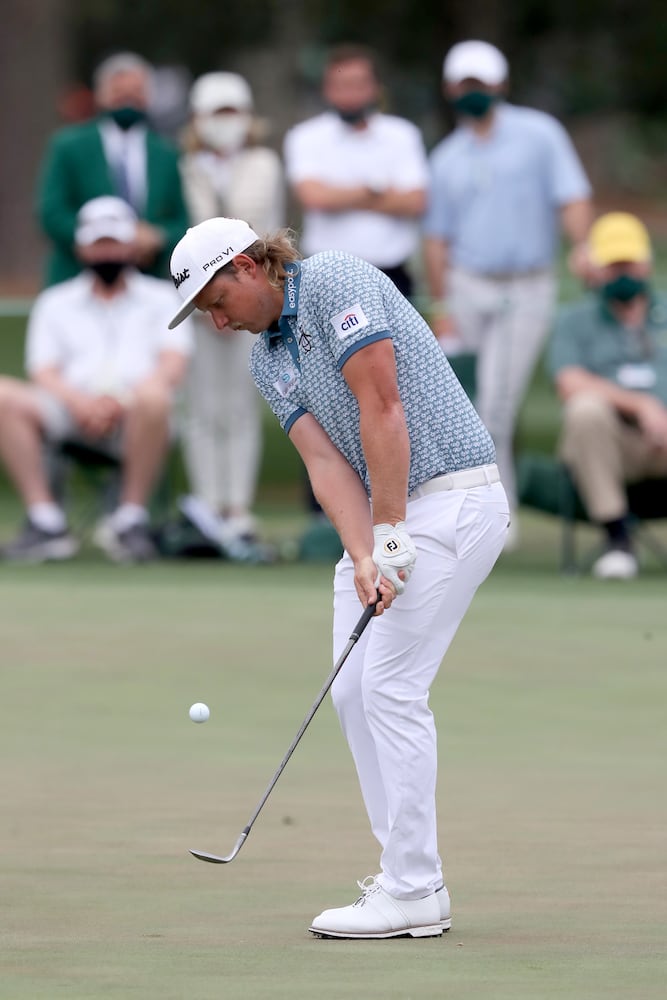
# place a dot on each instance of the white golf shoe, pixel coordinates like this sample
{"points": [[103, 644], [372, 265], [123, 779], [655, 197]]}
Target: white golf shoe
{"points": [[445, 905], [376, 914]]}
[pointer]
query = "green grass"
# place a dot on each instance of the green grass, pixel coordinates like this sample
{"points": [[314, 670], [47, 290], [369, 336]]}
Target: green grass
{"points": [[552, 807]]}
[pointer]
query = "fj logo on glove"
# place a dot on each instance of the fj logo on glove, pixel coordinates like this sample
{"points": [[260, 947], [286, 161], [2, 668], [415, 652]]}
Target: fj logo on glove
{"points": [[392, 545]]}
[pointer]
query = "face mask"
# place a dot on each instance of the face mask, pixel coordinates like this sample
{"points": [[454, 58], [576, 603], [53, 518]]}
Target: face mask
{"points": [[623, 288], [474, 104], [126, 117], [356, 115], [224, 133], [108, 271]]}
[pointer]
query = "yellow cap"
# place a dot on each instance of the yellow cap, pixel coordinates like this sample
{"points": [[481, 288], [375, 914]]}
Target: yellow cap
{"points": [[616, 237]]}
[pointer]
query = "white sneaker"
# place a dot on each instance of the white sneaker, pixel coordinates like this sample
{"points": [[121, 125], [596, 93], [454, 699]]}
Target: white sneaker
{"points": [[445, 905], [616, 564], [376, 914]]}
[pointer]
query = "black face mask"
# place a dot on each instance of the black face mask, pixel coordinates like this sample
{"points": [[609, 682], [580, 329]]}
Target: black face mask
{"points": [[474, 104], [355, 115], [624, 288], [127, 116], [108, 271]]}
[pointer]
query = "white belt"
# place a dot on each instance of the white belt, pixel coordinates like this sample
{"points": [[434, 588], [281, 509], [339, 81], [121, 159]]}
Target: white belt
{"points": [[464, 479]]}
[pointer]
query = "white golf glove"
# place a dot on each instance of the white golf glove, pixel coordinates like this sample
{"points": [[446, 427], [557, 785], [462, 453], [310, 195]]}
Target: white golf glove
{"points": [[394, 550]]}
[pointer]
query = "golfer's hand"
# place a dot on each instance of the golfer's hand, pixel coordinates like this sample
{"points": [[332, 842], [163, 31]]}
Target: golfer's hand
{"points": [[369, 586], [394, 554]]}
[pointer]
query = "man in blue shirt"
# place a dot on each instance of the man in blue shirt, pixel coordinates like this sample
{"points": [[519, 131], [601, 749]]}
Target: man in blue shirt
{"points": [[502, 186], [608, 359], [405, 469]]}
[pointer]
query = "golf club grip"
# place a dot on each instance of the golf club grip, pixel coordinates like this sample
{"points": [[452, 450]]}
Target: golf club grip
{"points": [[364, 620]]}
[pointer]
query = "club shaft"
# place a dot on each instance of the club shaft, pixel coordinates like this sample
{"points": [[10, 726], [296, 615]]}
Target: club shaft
{"points": [[351, 642]]}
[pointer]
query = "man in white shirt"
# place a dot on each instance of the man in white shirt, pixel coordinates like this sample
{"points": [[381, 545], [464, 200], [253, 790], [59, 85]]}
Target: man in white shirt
{"points": [[360, 176], [103, 368]]}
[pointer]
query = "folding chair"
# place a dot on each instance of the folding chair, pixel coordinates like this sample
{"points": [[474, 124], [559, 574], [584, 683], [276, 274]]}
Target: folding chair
{"points": [[100, 474], [647, 501]]}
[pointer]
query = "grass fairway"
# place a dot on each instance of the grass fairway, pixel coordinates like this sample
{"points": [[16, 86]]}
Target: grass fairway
{"points": [[552, 795]]}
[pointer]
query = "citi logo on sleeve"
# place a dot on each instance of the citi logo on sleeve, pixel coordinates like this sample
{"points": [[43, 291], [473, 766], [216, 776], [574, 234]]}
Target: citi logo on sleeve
{"points": [[349, 321]]}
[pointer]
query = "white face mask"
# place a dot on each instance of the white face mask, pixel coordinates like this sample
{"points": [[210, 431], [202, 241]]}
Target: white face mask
{"points": [[224, 133]]}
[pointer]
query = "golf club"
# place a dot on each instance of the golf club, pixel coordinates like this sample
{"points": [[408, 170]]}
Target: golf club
{"points": [[354, 637]]}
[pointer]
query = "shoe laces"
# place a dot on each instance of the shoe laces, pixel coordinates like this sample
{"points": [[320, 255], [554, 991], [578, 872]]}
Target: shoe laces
{"points": [[368, 886]]}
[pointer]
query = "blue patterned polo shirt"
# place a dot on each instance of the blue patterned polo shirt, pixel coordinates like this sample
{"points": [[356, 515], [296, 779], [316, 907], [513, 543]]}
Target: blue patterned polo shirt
{"points": [[335, 305]]}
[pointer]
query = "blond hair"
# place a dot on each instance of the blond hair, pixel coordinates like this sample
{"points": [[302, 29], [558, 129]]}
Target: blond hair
{"points": [[271, 253]]}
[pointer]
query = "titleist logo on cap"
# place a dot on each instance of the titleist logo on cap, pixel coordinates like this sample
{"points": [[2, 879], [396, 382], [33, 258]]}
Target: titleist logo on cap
{"points": [[180, 277]]}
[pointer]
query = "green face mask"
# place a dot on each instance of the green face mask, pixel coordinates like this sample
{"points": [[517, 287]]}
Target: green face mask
{"points": [[623, 288], [126, 117], [474, 104]]}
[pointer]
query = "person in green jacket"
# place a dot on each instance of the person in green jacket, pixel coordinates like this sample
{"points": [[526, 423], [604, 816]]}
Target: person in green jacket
{"points": [[116, 153]]}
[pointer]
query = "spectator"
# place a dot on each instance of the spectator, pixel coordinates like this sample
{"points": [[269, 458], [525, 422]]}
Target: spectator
{"points": [[116, 153], [103, 369], [359, 175], [501, 184], [608, 358], [226, 171]]}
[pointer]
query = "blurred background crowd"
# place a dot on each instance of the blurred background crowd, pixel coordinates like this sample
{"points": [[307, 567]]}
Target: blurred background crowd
{"points": [[471, 152]]}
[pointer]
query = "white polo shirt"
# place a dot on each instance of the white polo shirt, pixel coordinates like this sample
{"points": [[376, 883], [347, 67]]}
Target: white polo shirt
{"points": [[103, 345], [388, 153]]}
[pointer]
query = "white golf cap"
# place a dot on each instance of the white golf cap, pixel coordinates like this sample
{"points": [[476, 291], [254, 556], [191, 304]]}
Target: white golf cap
{"points": [[475, 61], [105, 217], [201, 252], [220, 90]]}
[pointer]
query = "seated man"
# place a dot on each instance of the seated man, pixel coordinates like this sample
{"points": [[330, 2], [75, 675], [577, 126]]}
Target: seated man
{"points": [[103, 368], [608, 358]]}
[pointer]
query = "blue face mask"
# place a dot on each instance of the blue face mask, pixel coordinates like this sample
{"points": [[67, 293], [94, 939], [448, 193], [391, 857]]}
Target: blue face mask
{"points": [[623, 288], [474, 104]]}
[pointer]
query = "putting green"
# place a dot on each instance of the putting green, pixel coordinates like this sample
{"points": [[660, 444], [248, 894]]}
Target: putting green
{"points": [[552, 804]]}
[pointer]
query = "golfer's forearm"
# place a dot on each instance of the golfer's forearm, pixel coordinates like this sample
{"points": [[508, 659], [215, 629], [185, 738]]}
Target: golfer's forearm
{"points": [[342, 496], [387, 451]]}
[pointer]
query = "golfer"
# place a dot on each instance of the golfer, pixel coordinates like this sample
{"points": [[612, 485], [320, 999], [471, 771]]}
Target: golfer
{"points": [[405, 470]]}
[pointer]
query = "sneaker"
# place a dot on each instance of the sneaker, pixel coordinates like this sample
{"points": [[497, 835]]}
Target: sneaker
{"points": [[376, 914], [445, 905], [133, 545], [616, 564], [34, 545], [234, 538]]}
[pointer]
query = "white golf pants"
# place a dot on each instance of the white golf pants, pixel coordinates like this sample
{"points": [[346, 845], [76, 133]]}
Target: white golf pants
{"points": [[381, 693]]}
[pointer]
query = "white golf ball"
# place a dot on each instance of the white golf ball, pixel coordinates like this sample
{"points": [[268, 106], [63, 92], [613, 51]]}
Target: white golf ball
{"points": [[199, 712]]}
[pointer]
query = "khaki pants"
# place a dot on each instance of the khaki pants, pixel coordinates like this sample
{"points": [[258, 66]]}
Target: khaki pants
{"points": [[504, 321], [604, 453]]}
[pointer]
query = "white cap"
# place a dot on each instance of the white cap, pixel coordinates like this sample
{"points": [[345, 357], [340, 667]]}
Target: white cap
{"points": [[201, 252], [106, 217], [475, 61], [220, 90]]}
